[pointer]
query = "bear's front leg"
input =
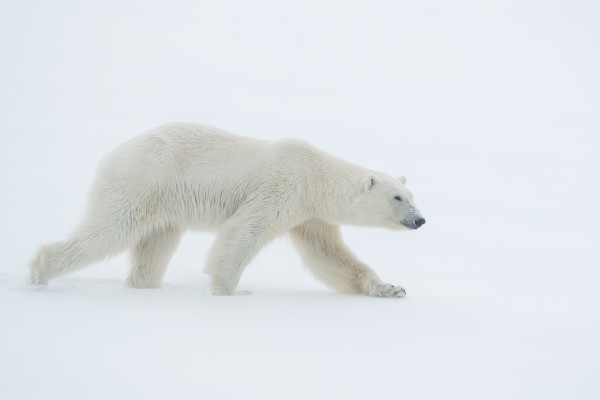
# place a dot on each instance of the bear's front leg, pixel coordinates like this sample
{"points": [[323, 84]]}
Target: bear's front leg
{"points": [[237, 243], [231, 253], [325, 255]]}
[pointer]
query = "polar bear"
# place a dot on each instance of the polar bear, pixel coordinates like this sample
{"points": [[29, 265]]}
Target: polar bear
{"points": [[176, 177]]}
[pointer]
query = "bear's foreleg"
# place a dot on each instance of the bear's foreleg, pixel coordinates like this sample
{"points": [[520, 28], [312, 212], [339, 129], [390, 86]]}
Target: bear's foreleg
{"points": [[331, 261], [238, 241], [232, 251]]}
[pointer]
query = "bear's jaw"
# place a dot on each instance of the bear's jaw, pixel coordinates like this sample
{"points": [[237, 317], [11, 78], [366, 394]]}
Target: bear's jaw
{"points": [[396, 225]]}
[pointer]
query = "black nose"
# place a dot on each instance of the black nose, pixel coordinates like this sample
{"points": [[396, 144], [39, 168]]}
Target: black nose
{"points": [[420, 222]]}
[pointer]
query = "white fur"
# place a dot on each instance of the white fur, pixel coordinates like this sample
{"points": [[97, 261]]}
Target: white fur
{"points": [[177, 177]]}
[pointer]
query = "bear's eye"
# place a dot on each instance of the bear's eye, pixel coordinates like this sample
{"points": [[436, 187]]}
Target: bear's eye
{"points": [[398, 198]]}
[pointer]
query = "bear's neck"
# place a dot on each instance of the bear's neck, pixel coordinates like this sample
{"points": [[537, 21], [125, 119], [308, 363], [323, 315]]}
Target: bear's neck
{"points": [[337, 183]]}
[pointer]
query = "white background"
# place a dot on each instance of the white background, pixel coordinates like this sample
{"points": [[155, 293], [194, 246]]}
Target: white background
{"points": [[491, 108]]}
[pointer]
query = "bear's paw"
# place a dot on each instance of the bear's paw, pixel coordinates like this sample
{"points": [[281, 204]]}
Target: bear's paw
{"points": [[387, 290]]}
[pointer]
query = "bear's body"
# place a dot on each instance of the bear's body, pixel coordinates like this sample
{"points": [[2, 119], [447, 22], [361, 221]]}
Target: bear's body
{"points": [[177, 177]]}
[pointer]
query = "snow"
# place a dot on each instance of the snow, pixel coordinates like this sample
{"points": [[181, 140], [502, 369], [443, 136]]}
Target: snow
{"points": [[489, 108]]}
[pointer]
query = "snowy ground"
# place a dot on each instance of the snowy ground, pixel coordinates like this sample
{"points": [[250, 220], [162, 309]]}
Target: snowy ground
{"points": [[490, 108]]}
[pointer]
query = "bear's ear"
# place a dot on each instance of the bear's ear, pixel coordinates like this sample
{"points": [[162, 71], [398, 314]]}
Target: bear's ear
{"points": [[402, 180], [369, 182]]}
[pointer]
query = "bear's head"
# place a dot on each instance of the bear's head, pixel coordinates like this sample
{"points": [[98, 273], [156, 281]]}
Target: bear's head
{"points": [[384, 201]]}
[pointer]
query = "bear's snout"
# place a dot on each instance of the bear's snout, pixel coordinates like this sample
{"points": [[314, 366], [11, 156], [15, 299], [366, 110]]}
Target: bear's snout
{"points": [[414, 224]]}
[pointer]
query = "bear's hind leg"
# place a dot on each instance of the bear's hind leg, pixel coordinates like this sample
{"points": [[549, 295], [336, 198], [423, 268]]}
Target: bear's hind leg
{"points": [[150, 257], [89, 244]]}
